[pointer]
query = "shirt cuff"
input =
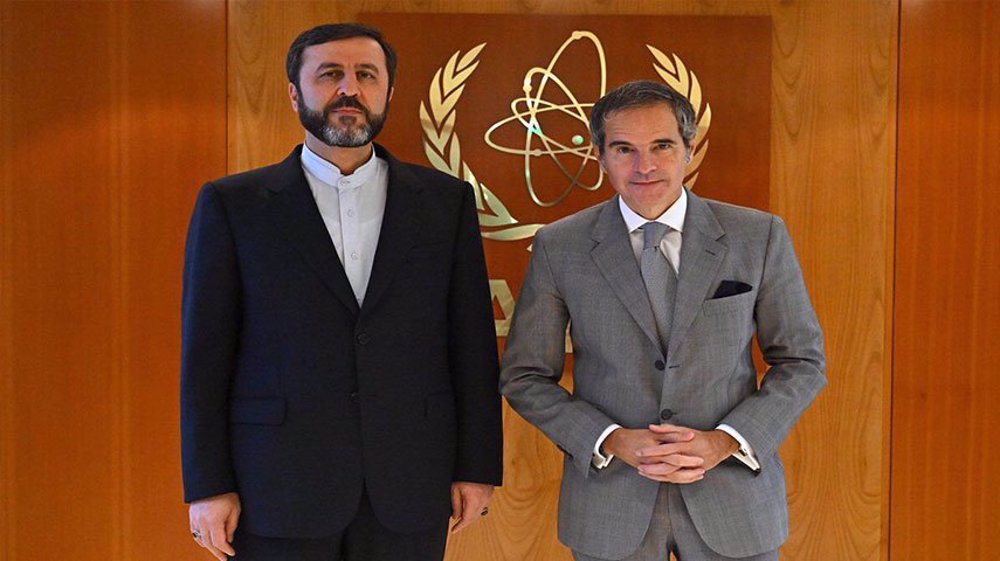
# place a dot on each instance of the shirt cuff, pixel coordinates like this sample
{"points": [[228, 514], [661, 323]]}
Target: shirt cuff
{"points": [[600, 461], [745, 453]]}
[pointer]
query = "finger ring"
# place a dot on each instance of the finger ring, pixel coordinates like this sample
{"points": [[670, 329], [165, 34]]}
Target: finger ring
{"points": [[196, 535], [484, 512]]}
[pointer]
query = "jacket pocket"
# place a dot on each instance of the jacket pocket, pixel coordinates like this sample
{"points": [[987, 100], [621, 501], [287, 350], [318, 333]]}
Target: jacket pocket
{"points": [[258, 410], [744, 301]]}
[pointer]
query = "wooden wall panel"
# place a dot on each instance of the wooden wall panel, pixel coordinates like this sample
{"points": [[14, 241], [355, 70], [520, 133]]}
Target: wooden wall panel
{"points": [[113, 113], [174, 119], [945, 480], [59, 159], [832, 176], [832, 145]]}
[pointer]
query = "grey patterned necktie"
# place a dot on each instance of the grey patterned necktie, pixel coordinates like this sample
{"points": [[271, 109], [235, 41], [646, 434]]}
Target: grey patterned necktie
{"points": [[659, 277]]}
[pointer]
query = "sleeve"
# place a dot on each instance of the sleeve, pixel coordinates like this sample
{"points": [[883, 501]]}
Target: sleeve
{"points": [[600, 461], [744, 453], [791, 341], [533, 365], [210, 322], [473, 357]]}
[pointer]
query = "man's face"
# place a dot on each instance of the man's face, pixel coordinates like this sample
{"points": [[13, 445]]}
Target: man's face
{"points": [[644, 157], [343, 95]]}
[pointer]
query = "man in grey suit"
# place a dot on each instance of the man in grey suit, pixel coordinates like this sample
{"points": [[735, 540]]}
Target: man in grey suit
{"points": [[670, 444]]}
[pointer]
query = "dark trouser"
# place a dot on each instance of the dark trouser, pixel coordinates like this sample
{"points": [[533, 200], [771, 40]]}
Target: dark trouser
{"points": [[364, 539]]}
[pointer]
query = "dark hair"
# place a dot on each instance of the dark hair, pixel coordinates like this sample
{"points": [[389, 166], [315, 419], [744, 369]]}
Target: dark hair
{"points": [[642, 93], [336, 32]]}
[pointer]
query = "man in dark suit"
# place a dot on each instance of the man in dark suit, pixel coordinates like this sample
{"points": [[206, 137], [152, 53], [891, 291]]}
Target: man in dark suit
{"points": [[339, 371]]}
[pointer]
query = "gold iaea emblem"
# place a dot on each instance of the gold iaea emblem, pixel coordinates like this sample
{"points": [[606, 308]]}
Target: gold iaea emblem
{"points": [[439, 113]]}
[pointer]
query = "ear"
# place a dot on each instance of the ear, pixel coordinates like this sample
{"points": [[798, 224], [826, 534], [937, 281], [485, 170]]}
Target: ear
{"points": [[392, 90], [293, 96]]}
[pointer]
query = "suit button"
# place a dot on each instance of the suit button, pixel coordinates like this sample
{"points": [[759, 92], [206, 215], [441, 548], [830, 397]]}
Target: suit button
{"points": [[666, 414], [363, 338], [354, 396], [659, 365]]}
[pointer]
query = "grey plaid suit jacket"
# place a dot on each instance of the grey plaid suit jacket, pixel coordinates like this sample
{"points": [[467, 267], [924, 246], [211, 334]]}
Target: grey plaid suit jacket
{"points": [[583, 272]]}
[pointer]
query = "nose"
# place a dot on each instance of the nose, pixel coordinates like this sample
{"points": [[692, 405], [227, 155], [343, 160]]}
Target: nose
{"points": [[644, 163], [348, 85]]}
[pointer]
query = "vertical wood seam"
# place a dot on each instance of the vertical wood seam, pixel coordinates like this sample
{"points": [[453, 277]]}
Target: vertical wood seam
{"points": [[231, 88], [123, 288], [6, 315], [117, 149], [891, 315], [225, 61]]}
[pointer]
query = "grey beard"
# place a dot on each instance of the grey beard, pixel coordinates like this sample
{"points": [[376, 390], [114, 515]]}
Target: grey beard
{"points": [[319, 125], [347, 138]]}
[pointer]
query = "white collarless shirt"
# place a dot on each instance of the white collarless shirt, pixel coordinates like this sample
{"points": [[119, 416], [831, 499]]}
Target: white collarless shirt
{"points": [[352, 207], [670, 246]]}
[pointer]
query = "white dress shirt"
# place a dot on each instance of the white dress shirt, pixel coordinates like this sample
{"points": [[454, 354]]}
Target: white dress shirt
{"points": [[670, 246], [352, 207]]}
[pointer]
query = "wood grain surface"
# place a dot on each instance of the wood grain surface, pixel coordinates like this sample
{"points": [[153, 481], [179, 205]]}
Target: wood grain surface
{"points": [[832, 136], [945, 479], [59, 158], [175, 123], [113, 114], [6, 302]]}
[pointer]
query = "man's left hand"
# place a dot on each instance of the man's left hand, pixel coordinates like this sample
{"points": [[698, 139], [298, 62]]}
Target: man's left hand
{"points": [[711, 446], [469, 502]]}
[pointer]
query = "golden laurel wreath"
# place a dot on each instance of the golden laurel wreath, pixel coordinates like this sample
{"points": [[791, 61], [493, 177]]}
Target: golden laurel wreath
{"points": [[444, 152]]}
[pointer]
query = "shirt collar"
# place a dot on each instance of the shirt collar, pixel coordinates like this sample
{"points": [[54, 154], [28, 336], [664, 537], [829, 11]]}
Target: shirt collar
{"points": [[331, 175], [673, 216]]}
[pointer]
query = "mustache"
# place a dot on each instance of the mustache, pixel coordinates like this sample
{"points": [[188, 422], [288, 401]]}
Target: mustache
{"points": [[347, 101]]}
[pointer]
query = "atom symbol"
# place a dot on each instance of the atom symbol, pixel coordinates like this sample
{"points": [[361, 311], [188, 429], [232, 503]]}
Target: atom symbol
{"points": [[529, 108]]}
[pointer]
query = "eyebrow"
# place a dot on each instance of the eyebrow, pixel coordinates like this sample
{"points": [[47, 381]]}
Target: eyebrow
{"points": [[364, 65], [614, 143]]}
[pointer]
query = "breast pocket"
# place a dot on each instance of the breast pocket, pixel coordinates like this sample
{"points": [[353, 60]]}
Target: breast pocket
{"points": [[729, 305], [429, 250], [721, 334], [427, 271]]}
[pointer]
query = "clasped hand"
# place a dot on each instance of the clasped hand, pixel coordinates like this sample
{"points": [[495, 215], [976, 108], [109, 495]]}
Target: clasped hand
{"points": [[671, 453]]}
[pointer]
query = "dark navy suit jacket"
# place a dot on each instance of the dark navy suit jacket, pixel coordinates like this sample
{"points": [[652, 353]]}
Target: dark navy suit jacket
{"points": [[296, 398]]}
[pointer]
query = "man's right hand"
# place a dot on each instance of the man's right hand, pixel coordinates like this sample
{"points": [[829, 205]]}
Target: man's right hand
{"points": [[624, 443], [213, 523]]}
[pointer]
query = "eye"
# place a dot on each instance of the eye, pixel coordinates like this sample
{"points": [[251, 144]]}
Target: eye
{"points": [[366, 75], [621, 149]]}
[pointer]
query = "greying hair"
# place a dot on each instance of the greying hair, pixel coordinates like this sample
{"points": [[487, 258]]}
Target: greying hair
{"points": [[643, 93]]}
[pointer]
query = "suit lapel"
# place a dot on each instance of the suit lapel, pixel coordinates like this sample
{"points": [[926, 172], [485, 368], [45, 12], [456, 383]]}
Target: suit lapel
{"points": [[294, 211], [403, 207], [701, 255], [615, 258]]}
